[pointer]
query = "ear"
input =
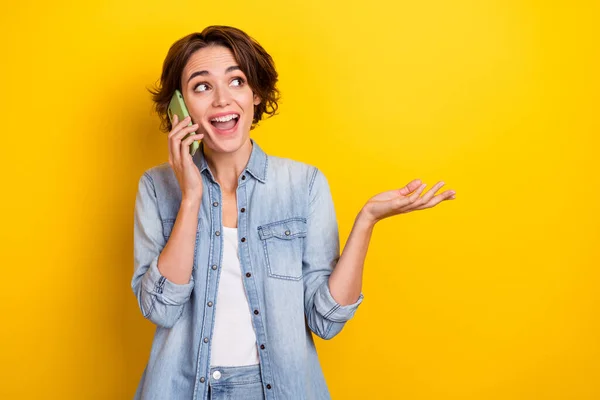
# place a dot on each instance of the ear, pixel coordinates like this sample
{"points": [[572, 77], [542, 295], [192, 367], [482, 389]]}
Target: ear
{"points": [[257, 100]]}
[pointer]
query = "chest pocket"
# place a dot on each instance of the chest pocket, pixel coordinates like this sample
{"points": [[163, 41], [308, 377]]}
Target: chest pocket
{"points": [[283, 243]]}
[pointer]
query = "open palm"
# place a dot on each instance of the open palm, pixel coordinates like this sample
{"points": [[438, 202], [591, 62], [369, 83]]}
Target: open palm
{"points": [[400, 201]]}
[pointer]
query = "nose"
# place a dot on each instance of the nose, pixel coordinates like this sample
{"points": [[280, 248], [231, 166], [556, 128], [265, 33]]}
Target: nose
{"points": [[221, 97]]}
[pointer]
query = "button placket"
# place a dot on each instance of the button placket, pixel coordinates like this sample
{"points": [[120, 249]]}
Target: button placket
{"points": [[250, 284], [214, 262]]}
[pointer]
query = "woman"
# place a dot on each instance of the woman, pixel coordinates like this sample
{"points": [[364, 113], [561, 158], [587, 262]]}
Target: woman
{"points": [[237, 257]]}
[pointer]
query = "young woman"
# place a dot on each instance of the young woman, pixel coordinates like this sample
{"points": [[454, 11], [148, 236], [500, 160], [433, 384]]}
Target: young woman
{"points": [[237, 255]]}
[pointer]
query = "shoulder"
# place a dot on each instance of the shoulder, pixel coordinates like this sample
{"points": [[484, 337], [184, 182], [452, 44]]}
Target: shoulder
{"points": [[161, 176], [158, 170], [292, 170]]}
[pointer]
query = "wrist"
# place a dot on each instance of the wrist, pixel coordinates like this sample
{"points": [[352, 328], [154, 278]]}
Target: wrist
{"points": [[191, 202], [366, 219]]}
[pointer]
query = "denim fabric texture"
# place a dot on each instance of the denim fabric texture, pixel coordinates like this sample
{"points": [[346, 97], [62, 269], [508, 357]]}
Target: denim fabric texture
{"points": [[289, 245], [233, 383]]}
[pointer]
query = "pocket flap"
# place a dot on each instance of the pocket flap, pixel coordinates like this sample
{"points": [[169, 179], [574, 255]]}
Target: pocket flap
{"points": [[287, 229]]}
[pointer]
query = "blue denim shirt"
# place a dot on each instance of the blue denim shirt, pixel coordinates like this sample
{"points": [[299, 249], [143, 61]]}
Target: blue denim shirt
{"points": [[289, 245]]}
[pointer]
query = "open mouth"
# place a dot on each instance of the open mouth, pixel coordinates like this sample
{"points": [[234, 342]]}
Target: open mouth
{"points": [[226, 122]]}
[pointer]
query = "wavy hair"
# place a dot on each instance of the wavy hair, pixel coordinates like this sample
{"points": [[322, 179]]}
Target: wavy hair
{"points": [[251, 57]]}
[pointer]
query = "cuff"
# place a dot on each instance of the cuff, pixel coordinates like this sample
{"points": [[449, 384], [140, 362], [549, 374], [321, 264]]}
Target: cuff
{"points": [[166, 291], [331, 309]]}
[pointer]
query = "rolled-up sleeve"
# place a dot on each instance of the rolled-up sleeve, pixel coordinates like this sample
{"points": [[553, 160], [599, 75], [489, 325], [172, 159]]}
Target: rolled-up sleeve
{"points": [[325, 316], [160, 300]]}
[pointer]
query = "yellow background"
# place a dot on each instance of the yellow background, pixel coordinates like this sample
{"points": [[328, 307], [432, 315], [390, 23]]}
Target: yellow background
{"points": [[492, 296]]}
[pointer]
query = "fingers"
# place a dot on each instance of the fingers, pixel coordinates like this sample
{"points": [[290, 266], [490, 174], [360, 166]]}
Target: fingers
{"points": [[177, 133], [431, 192], [428, 200], [173, 123], [178, 125], [412, 185], [402, 202], [192, 138], [185, 144], [447, 195], [176, 142]]}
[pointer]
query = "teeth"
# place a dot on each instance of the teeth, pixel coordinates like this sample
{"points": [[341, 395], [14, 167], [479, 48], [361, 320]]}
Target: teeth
{"points": [[225, 118]]}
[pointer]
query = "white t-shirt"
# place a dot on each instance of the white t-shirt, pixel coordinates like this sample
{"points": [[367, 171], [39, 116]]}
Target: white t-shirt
{"points": [[234, 340]]}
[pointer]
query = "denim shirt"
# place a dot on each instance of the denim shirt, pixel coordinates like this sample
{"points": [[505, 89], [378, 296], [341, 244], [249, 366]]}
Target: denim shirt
{"points": [[288, 247]]}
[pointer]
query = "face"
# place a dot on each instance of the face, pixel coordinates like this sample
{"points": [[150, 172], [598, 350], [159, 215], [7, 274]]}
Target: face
{"points": [[218, 97]]}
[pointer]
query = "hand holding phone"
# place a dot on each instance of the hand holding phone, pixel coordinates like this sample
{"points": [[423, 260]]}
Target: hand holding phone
{"points": [[187, 173], [177, 107]]}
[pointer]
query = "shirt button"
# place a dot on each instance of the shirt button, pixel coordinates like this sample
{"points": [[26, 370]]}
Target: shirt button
{"points": [[243, 240], [205, 340], [202, 379], [248, 274], [218, 233], [262, 346], [216, 203], [243, 177], [243, 209], [287, 233], [217, 375], [269, 386], [209, 304], [255, 312], [214, 267]]}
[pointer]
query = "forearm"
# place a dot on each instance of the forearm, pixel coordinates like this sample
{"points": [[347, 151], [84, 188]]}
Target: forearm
{"points": [[176, 259], [345, 282]]}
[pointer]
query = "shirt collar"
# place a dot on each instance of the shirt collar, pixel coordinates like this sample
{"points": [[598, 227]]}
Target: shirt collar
{"points": [[257, 164]]}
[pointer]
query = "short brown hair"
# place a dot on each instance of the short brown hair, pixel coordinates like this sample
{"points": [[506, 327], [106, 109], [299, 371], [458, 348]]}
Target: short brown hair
{"points": [[252, 59]]}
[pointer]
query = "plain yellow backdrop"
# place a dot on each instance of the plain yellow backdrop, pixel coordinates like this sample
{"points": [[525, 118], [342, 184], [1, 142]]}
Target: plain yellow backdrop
{"points": [[494, 295]]}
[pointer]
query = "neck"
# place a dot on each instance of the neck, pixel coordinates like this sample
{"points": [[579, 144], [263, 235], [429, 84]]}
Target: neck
{"points": [[227, 167]]}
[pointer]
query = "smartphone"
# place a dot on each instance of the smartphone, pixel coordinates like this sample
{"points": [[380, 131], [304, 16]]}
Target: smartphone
{"points": [[177, 107]]}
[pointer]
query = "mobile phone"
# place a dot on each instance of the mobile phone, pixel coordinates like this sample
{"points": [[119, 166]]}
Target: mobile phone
{"points": [[177, 107]]}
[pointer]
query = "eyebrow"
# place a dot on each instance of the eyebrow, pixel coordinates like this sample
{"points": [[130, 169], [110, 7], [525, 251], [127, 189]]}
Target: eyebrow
{"points": [[204, 73]]}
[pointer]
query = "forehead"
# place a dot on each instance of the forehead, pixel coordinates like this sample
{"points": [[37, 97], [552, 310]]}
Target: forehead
{"points": [[214, 59]]}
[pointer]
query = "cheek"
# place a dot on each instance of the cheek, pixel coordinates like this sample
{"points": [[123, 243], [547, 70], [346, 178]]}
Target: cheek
{"points": [[197, 110], [245, 100]]}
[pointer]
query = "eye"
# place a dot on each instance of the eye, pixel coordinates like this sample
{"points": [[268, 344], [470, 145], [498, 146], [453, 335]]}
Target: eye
{"points": [[239, 80], [203, 87]]}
